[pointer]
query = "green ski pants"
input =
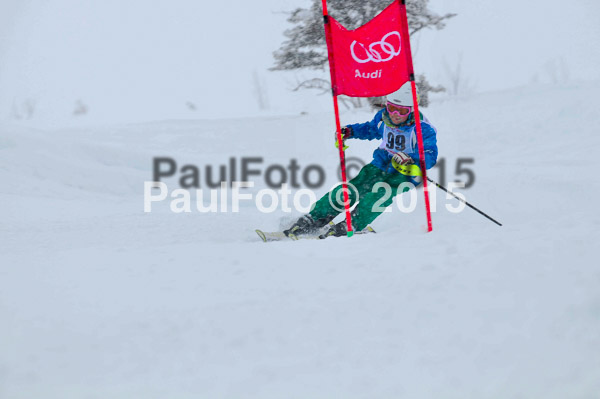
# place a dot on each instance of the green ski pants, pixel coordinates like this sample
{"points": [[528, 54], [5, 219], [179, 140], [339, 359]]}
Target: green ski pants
{"points": [[372, 201]]}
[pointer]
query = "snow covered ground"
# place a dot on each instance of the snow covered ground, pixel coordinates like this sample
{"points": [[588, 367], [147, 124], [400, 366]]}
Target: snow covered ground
{"points": [[101, 300]]}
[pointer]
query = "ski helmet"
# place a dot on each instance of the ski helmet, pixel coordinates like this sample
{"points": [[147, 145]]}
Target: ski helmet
{"points": [[402, 96]]}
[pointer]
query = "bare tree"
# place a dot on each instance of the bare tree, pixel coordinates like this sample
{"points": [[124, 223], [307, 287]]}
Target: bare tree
{"points": [[459, 82], [556, 70], [14, 111], [260, 91], [324, 87], [305, 46], [80, 108], [24, 110], [423, 89]]}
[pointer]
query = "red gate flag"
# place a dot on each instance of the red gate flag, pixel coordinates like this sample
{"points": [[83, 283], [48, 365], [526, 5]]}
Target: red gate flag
{"points": [[382, 67], [372, 60]]}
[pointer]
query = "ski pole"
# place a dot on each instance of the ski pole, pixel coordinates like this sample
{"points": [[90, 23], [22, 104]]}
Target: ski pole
{"points": [[463, 201], [414, 170]]}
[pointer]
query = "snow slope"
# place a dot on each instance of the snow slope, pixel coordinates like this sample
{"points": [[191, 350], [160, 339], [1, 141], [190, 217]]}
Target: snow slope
{"points": [[101, 300]]}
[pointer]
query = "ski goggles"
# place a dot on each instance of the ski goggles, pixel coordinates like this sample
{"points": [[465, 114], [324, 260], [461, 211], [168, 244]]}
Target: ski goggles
{"points": [[398, 110]]}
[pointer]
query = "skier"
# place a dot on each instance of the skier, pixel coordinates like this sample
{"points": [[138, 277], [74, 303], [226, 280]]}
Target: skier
{"points": [[395, 126]]}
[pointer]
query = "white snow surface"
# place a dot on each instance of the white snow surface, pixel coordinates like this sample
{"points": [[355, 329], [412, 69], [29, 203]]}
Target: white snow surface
{"points": [[101, 300]]}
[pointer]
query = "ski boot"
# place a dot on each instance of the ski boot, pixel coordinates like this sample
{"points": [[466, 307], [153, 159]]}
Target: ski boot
{"points": [[335, 230], [305, 225]]}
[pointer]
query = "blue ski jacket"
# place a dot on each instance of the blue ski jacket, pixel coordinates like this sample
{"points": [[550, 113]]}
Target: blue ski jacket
{"points": [[381, 127]]}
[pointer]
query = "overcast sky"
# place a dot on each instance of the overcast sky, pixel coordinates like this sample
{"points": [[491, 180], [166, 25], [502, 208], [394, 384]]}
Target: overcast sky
{"points": [[131, 60]]}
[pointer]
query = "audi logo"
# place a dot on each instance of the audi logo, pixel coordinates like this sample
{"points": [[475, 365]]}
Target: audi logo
{"points": [[378, 50]]}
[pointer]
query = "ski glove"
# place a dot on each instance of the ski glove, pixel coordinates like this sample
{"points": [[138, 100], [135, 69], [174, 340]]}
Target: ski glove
{"points": [[346, 134], [401, 158]]}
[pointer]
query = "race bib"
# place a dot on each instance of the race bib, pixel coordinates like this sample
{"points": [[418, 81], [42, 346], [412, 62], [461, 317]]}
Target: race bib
{"points": [[398, 140]]}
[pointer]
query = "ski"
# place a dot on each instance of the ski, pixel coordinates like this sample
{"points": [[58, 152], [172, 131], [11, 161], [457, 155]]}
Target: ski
{"points": [[267, 236]]}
